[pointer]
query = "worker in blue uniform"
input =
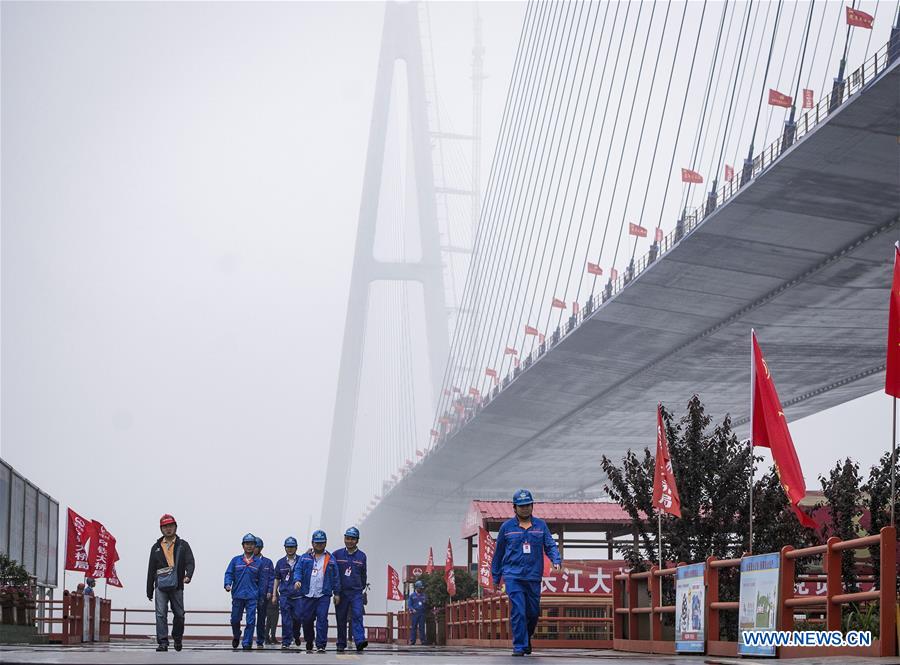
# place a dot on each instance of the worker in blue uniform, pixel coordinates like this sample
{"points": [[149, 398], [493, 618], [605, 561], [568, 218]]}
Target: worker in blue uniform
{"points": [[351, 565], [242, 580], [415, 605], [519, 559], [289, 598], [316, 578], [266, 583]]}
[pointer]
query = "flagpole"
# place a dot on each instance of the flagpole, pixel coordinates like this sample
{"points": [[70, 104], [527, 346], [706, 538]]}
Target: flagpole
{"points": [[659, 518], [750, 440], [752, 473], [894, 463]]}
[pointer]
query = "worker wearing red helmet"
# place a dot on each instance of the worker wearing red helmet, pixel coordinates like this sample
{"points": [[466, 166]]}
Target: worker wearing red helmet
{"points": [[171, 567]]}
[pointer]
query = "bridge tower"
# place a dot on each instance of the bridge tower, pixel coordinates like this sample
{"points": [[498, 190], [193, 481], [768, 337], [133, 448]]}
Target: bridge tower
{"points": [[401, 40]]}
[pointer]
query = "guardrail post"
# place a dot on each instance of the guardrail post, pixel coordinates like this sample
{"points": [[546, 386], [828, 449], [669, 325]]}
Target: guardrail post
{"points": [[390, 627], [833, 583], [788, 568], [712, 596], [632, 603], [887, 617], [655, 583], [617, 602]]}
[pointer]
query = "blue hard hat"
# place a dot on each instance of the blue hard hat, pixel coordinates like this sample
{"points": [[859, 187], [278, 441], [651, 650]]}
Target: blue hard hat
{"points": [[319, 536], [290, 541], [248, 538], [259, 542], [352, 532], [419, 584], [522, 498]]}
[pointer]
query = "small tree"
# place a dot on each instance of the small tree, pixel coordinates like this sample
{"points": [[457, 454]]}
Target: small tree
{"points": [[775, 524], [436, 588], [877, 498], [842, 492]]}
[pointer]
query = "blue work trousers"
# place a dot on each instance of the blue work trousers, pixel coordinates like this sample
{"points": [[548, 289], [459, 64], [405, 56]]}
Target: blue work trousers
{"points": [[417, 627], [239, 607], [262, 607], [525, 608], [351, 606], [290, 619], [315, 610]]}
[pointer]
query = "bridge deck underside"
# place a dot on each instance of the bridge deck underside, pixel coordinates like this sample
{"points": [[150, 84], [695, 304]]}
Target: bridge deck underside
{"points": [[803, 255]]}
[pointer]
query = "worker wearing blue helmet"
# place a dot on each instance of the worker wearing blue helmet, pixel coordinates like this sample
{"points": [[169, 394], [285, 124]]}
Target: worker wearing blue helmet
{"points": [[416, 605], [266, 591], [243, 578], [519, 559], [316, 578], [289, 598], [351, 564]]}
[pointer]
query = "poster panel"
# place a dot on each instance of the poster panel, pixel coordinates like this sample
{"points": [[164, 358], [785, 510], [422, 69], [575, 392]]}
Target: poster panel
{"points": [[690, 608], [758, 605]]}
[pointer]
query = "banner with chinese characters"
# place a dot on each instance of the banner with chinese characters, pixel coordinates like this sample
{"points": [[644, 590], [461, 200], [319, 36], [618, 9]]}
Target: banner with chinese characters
{"points": [[486, 547], [78, 533], [582, 578], [103, 551]]}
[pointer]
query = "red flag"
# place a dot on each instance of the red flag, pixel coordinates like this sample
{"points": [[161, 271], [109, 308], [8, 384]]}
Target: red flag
{"points": [[769, 429], [444, 420], [659, 234], [665, 491], [780, 99], [808, 101], [78, 532], [474, 392], [892, 376], [613, 275], [637, 230], [530, 330], [729, 173], [594, 269], [575, 307], [561, 304], [691, 176], [509, 351], [541, 338], [393, 587], [103, 547], [859, 18], [459, 408], [486, 547], [449, 575], [429, 567], [516, 361], [490, 371], [419, 453], [113, 579]]}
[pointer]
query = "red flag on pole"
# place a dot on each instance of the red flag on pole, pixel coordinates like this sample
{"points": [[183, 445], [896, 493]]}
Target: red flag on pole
{"points": [[449, 575], [613, 275], [78, 532], [103, 546], [429, 567], [393, 587], [531, 330], [459, 408], [769, 429], [859, 19], [594, 269], [729, 173], [575, 307], [892, 376], [780, 99], [474, 392], [113, 579], [659, 234], [486, 547], [509, 351], [541, 338], [691, 176], [561, 304], [665, 492], [490, 371], [808, 101], [636, 230], [444, 420]]}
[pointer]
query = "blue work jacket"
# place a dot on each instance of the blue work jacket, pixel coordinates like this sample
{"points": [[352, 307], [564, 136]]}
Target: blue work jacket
{"points": [[244, 577], [267, 572], [284, 573], [519, 552], [351, 568], [416, 602], [303, 573]]}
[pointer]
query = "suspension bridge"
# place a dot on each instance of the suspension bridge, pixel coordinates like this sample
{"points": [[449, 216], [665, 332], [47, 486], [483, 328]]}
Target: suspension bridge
{"points": [[666, 177]]}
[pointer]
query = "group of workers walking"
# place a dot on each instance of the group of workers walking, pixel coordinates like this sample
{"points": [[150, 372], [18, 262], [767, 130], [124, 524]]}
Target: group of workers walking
{"points": [[302, 587]]}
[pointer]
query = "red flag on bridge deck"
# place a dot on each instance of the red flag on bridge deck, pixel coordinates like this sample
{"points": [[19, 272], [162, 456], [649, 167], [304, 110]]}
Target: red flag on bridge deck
{"points": [[113, 579], [393, 587], [531, 330], [691, 176], [103, 549], [541, 338], [78, 532], [474, 392], [449, 575], [594, 269], [892, 376], [780, 99], [429, 567], [459, 408], [729, 172], [636, 230], [769, 429], [659, 234], [444, 420], [859, 19], [419, 453], [808, 101], [665, 491], [490, 371], [509, 351], [575, 307], [561, 304], [613, 275], [515, 361]]}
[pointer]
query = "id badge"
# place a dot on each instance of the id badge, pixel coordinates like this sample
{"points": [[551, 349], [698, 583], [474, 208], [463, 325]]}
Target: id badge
{"points": [[348, 573], [526, 547], [315, 571]]}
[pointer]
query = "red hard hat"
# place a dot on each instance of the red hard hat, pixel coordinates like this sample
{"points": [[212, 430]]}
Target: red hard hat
{"points": [[166, 519]]}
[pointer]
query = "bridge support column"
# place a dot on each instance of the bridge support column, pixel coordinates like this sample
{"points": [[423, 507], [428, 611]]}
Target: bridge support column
{"points": [[837, 94], [787, 138], [747, 171], [894, 44]]}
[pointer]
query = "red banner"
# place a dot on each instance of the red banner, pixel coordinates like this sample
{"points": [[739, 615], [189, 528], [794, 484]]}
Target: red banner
{"points": [[429, 567], [729, 173], [780, 99], [509, 351], [808, 101], [531, 330], [859, 18], [892, 375], [665, 492], [594, 269], [113, 577], [78, 532], [636, 230], [393, 587], [490, 371], [561, 304], [691, 176], [659, 234], [449, 574], [103, 551], [486, 546], [575, 307], [613, 275]]}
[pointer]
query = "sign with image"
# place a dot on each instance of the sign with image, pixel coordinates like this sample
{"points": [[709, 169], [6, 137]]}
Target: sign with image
{"points": [[690, 608], [758, 607]]}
